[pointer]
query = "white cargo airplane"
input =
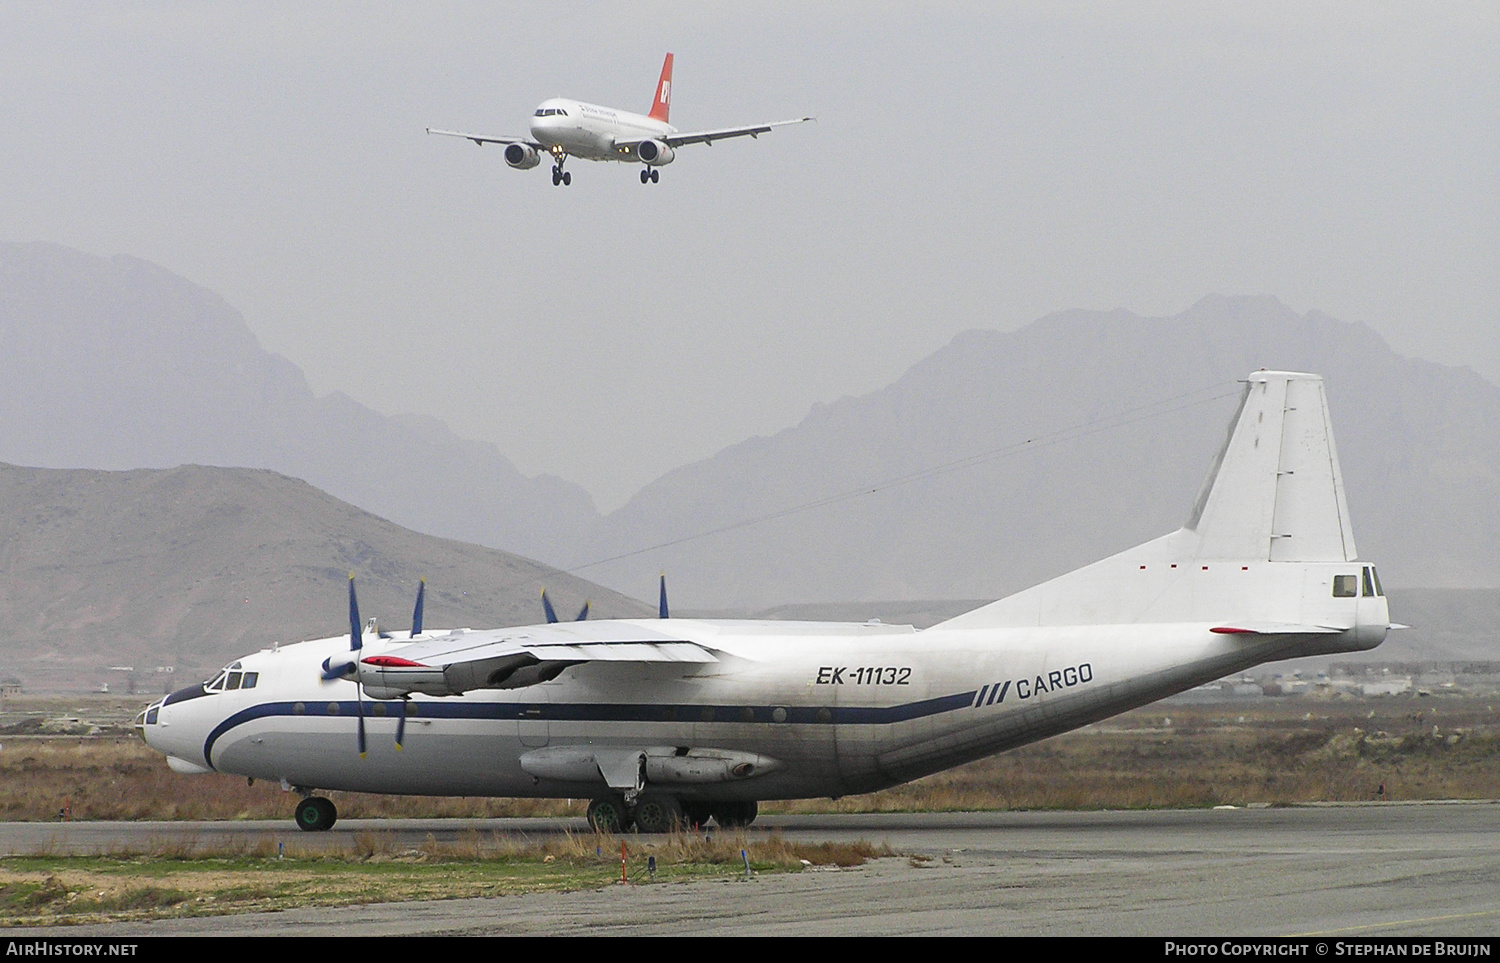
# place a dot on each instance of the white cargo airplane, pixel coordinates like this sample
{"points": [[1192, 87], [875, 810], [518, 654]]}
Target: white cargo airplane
{"points": [[661, 722], [565, 128]]}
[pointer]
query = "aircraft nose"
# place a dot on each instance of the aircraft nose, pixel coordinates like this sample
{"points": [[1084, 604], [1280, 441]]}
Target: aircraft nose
{"points": [[147, 727]]}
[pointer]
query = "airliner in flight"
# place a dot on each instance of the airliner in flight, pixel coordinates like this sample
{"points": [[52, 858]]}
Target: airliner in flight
{"points": [[571, 128], [671, 721]]}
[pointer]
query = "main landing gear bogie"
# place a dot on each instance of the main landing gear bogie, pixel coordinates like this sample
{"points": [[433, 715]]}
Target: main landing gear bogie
{"points": [[314, 814], [560, 176], [661, 813], [650, 174]]}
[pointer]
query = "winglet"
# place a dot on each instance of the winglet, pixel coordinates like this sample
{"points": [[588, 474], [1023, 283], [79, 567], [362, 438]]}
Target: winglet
{"points": [[663, 102]]}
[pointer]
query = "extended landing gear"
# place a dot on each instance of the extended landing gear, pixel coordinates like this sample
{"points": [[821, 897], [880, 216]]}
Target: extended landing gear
{"points": [[656, 813], [315, 814], [734, 815], [650, 174], [660, 813], [560, 176], [610, 815]]}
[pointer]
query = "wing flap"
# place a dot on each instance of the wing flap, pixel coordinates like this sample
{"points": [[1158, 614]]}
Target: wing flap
{"points": [[457, 663]]}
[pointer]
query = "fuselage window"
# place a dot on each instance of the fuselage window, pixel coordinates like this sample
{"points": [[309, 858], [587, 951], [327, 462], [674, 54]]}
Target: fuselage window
{"points": [[1345, 586]]}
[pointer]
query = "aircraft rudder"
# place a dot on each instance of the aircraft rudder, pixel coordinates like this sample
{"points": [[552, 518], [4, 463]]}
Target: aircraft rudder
{"points": [[1276, 491], [661, 105]]}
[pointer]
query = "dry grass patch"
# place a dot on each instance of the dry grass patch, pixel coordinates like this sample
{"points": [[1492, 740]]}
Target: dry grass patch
{"points": [[201, 879]]}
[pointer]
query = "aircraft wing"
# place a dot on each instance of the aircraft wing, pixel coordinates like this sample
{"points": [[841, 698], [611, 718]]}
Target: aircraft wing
{"points": [[481, 140], [513, 658], [709, 136]]}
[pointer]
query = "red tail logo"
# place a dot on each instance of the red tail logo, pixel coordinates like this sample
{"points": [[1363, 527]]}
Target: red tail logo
{"points": [[663, 102]]}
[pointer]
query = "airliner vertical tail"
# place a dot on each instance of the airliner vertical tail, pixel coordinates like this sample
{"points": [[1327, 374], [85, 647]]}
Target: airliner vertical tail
{"points": [[663, 102]]}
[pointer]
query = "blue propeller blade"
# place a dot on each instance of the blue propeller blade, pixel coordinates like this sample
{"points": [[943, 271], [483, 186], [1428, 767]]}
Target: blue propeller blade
{"points": [[416, 614], [401, 726], [662, 610], [583, 613], [547, 607], [331, 671]]}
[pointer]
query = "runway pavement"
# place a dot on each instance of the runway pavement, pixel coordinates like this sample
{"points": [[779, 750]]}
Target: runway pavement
{"points": [[1342, 870]]}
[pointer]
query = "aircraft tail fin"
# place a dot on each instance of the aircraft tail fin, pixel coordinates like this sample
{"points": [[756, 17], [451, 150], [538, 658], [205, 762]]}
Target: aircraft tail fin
{"points": [[1268, 541], [662, 105], [1276, 492]]}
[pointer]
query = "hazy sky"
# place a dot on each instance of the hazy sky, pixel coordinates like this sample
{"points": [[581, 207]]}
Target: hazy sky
{"points": [[973, 165]]}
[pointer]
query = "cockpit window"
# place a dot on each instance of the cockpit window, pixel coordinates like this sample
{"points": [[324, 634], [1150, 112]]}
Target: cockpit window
{"points": [[249, 681], [1345, 586], [1376, 576], [227, 679]]}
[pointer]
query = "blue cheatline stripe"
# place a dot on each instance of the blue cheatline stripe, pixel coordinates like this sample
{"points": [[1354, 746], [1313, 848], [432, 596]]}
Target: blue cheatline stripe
{"points": [[979, 699], [605, 712]]}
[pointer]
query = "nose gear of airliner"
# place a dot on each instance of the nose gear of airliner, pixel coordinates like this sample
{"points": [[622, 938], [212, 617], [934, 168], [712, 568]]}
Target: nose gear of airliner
{"points": [[560, 176]]}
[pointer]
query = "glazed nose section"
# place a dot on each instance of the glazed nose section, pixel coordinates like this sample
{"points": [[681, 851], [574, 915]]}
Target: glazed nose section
{"points": [[146, 723]]}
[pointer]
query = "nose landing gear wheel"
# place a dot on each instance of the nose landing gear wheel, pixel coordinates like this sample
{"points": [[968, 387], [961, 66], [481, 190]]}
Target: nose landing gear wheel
{"points": [[315, 814], [609, 815]]}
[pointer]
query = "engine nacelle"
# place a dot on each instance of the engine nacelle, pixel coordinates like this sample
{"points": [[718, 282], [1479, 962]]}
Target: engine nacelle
{"points": [[655, 153], [522, 156]]}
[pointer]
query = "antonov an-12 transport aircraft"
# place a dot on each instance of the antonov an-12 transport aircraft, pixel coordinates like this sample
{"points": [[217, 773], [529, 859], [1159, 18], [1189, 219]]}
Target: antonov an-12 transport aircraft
{"points": [[665, 722], [571, 128]]}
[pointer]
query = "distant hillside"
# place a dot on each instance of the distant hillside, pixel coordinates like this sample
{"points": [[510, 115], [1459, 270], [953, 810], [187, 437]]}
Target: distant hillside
{"points": [[1071, 438], [116, 363], [193, 566], [1419, 444]]}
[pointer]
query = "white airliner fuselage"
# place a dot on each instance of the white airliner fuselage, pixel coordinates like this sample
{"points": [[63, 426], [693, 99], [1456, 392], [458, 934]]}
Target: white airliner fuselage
{"points": [[564, 128], [590, 131], [661, 721]]}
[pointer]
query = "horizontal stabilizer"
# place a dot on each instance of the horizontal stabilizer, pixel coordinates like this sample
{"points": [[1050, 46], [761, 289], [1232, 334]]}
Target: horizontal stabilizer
{"points": [[1277, 628]]}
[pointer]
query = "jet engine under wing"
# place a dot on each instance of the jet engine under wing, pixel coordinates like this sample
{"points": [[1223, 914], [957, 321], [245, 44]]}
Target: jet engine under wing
{"points": [[514, 658], [709, 136], [481, 140]]}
